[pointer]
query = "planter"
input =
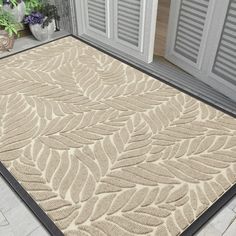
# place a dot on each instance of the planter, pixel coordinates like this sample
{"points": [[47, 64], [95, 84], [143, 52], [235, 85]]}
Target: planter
{"points": [[6, 42], [43, 34], [18, 12]]}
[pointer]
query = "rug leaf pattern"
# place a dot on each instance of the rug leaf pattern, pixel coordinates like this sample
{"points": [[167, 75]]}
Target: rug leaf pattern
{"points": [[107, 150]]}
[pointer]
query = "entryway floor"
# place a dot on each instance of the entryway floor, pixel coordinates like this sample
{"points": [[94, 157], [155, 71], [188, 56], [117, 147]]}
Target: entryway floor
{"points": [[29, 42]]}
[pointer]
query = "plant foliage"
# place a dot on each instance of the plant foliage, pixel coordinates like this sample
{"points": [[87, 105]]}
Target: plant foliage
{"points": [[8, 23], [13, 3], [50, 12], [32, 5]]}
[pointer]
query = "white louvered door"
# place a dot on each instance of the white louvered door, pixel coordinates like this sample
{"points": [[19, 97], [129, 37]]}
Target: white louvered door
{"points": [[125, 25], [188, 31], [221, 69], [202, 41]]}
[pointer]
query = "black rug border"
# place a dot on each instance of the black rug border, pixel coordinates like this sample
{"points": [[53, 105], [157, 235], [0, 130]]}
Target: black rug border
{"points": [[50, 225]]}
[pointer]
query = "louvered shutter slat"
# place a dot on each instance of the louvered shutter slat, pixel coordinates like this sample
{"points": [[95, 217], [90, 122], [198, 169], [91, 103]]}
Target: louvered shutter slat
{"points": [[184, 38], [225, 60], [188, 43], [196, 5], [189, 27], [228, 57]]}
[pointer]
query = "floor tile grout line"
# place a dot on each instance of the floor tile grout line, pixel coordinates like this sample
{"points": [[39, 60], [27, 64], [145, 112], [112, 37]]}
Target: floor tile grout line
{"points": [[231, 222], [33, 231]]}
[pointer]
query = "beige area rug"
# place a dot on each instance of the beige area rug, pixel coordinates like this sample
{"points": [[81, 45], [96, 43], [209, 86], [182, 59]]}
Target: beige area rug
{"points": [[107, 150]]}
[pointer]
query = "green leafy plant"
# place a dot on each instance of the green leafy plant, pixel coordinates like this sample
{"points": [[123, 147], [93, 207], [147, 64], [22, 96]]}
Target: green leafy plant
{"points": [[32, 5], [8, 23], [12, 3]]}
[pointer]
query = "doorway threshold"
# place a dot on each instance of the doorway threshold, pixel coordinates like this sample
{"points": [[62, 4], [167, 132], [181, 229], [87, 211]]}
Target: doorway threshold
{"points": [[172, 75]]}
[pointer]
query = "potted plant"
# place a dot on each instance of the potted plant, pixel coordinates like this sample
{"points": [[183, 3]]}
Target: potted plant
{"points": [[8, 30], [16, 7], [42, 21]]}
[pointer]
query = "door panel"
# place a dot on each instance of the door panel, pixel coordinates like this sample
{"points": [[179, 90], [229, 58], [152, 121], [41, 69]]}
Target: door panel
{"points": [[204, 42], [190, 28], [129, 22], [225, 61], [220, 60], [188, 31], [97, 15], [96, 18], [135, 25]]}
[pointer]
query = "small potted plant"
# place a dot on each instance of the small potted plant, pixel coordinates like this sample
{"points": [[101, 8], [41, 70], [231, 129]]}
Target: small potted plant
{"points": [[16, 7], [8, 30], [42, 21]]}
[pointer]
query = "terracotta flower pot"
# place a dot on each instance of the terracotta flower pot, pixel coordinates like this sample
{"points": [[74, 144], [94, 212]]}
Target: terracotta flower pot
{"points": [[43, 34], [18, 12], [6, 42]]}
